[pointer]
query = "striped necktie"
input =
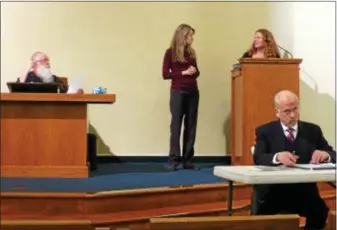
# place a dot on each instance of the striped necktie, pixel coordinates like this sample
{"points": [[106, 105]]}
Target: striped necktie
{"points": [[290, 135]]}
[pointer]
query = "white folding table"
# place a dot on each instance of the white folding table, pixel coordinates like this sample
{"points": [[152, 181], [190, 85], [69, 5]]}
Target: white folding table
{"points": [[270, 175]]}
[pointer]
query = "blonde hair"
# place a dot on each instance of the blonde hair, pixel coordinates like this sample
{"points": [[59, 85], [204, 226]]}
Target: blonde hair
{"points": [[178, 44]]}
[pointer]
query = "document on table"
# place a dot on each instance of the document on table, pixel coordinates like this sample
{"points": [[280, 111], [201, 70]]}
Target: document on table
{"points": [[324, 166], [75, 85]]}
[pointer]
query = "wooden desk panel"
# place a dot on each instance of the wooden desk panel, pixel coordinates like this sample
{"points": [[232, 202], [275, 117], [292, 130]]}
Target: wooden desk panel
{"points": [[45, 136]]}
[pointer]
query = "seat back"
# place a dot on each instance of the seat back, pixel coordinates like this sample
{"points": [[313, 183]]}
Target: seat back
{"points": [[331, 221], [64, 80], [275, 222], [252, 148], [46, 225]]}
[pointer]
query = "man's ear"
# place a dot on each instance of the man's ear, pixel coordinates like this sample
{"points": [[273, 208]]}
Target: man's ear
{"points": [[277, 112]]}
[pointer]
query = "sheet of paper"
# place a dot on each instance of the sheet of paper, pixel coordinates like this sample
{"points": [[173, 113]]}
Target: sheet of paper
{"points": [[74, 85]]}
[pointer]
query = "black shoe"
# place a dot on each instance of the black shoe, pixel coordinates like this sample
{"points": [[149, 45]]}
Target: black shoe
{"points": [[173, 166], [191, 166]]}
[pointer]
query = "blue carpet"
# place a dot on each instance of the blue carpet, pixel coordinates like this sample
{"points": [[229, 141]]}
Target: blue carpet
{"points": [[116, 176]]}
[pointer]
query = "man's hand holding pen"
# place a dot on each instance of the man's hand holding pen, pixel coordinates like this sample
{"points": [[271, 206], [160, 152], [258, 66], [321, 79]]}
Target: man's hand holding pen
{"points": [[287, 158]]}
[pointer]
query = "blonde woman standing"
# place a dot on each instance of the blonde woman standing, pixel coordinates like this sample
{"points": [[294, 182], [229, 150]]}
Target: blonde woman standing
{"points": [[180, 66]]}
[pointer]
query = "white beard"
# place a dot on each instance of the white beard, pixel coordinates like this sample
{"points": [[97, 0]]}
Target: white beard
{"points": [[45, 74]]}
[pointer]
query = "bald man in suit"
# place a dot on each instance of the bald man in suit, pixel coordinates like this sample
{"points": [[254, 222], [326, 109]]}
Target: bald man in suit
{"points": [[288, 141]]}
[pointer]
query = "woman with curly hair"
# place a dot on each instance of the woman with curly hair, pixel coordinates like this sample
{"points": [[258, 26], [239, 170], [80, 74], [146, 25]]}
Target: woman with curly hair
{"points": [[180, 66], [264, 46]]}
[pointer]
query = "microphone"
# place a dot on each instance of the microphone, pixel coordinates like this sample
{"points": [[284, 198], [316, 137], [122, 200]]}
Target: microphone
{"points": [[286, 51]]}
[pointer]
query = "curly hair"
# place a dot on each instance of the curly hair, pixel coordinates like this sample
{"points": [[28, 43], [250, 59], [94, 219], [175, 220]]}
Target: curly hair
{"points": [[178, 43], [271, 50]]}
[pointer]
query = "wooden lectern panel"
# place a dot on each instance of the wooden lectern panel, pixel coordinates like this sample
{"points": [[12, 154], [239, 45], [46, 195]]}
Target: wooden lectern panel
{"points": [[253, 88]]}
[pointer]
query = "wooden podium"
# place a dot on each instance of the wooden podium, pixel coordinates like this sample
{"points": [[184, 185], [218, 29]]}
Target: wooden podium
{"points": [[45, 134], [254, 85]]}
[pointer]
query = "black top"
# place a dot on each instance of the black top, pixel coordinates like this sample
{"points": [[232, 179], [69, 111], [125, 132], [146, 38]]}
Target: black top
{"points": [[172, 70], [247, 55]]}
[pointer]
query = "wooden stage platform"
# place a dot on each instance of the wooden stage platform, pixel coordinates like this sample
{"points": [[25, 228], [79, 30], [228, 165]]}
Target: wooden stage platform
{"points": [[131, 209]]}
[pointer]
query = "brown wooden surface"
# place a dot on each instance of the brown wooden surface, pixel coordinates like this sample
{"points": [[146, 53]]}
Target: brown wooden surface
{"points": [[61, 97], [46, 225], [44, 135], [253, 88], [126, 208], [275, 222]]}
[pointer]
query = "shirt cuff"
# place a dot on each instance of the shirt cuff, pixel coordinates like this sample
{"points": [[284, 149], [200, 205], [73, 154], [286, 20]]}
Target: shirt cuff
{"points": [[274, 159]]}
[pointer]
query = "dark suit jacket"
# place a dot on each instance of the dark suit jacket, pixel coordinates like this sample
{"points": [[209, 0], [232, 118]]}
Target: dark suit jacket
{"points": [[31, 77], [270, 139]]}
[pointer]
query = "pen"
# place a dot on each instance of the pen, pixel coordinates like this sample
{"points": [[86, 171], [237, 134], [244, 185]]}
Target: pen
{"points": [[294, 153]]}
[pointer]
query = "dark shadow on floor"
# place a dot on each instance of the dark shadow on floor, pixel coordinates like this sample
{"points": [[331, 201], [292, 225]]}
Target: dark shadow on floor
{"points": [[101, 146], [121, 168], [117, 168]]}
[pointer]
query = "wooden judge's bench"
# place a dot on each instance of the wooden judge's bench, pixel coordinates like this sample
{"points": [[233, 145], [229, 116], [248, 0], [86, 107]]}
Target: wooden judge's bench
{"points": [[45, 134], [254, 85]]}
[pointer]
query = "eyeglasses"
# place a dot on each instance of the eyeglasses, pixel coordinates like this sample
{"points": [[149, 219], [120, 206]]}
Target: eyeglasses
{"points": [[45, 60], [289, 111]]}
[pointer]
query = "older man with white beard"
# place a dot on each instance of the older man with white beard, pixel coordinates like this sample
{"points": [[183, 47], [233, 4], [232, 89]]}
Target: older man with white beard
{"points": [[40, 72]]}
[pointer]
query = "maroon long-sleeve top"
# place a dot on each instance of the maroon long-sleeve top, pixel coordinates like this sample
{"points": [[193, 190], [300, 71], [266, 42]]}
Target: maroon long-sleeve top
{"points": [[172, 70]]}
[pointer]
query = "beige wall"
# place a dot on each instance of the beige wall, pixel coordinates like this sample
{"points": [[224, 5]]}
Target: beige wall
{"points": [[292, 24], [121, 46]]}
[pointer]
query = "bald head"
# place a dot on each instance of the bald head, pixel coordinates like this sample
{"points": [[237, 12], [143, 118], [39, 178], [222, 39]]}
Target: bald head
{"points": [[39, 56], [286, 106], [285, 97]]}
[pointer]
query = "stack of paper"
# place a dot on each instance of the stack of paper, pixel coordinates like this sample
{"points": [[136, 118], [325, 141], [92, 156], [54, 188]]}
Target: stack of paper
{"points": [[324, 166]]}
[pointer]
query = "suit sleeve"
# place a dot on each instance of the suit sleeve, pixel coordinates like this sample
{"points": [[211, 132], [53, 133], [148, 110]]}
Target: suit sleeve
{"points": [[322, 144], [29, 78], [262, 155]]}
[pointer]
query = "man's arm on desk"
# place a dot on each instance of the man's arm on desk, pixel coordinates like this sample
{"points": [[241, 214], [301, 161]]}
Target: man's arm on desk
{"points": [[264, 156], [324, 152]]}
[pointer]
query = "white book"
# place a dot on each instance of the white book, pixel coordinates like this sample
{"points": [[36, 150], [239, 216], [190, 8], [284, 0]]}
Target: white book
{"points": [[323, 166]]}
